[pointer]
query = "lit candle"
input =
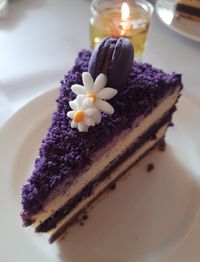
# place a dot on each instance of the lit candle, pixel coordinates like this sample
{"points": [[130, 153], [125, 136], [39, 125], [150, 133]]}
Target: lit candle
{"points": [[121, 22], [125, 23], [120, 19]]}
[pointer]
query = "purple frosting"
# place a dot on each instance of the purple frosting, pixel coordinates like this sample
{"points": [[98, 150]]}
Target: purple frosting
{"points": [[65, 152]]}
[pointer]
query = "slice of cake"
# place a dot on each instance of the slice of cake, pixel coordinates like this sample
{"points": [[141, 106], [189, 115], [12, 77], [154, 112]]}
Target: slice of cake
{"points": [[189, 9], [106, 120]]}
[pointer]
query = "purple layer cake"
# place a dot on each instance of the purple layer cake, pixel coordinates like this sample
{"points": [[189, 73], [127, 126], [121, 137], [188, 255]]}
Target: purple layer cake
{"points": [[91, 143], [189, 9]]}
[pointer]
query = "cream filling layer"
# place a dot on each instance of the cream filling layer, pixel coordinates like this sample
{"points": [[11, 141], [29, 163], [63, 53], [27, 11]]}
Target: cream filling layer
{"points": [[100, 187], [114, 151], [192, 3]]}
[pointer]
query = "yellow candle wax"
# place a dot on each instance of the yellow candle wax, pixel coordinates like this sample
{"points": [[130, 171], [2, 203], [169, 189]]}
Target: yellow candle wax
{"points": [[127, 21]]}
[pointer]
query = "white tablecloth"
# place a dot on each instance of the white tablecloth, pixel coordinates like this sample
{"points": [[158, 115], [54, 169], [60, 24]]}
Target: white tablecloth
{"points": [[40, 39]]}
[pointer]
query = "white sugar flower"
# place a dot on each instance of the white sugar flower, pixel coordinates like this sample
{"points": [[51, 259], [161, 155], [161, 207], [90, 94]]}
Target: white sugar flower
{"points": [[97, 91], [83, 114]]}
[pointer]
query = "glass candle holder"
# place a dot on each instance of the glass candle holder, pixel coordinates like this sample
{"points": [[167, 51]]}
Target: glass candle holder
{"points": [[117, 18]]}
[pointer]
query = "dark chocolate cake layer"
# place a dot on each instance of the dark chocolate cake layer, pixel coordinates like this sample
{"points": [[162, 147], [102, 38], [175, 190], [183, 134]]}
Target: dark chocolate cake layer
{"points": [[65, 152], [188, 10], [75, 219], [52, 221]]}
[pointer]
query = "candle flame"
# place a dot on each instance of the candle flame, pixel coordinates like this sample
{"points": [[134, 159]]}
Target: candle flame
{"points": [[125, 11]]}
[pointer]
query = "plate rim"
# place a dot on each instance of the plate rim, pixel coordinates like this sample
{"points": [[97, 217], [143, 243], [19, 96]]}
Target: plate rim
{"points": [[174, 28], [28, 104]]}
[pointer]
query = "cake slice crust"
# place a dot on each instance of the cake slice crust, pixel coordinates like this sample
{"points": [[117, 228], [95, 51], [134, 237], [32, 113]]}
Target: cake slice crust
{"points": [[65, 164], [105, 157]]}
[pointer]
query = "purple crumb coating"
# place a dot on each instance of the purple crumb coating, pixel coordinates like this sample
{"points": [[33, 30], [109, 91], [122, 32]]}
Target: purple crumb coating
{"points": [[65, 152]]}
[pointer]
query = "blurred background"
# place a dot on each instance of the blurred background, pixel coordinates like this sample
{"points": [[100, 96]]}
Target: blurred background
{"points": [[39, 40]]}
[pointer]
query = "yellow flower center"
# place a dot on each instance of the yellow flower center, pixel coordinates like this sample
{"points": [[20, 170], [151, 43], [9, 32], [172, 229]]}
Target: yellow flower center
{"points": [[92, 95], [78, 116]]}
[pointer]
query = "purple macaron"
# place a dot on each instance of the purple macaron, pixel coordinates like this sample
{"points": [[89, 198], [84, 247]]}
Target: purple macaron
{"points": [[114, 58]]}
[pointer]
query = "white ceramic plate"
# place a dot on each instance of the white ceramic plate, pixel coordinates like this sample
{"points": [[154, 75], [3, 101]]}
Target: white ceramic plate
{"points": [[166, 11], [149, 217]]}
